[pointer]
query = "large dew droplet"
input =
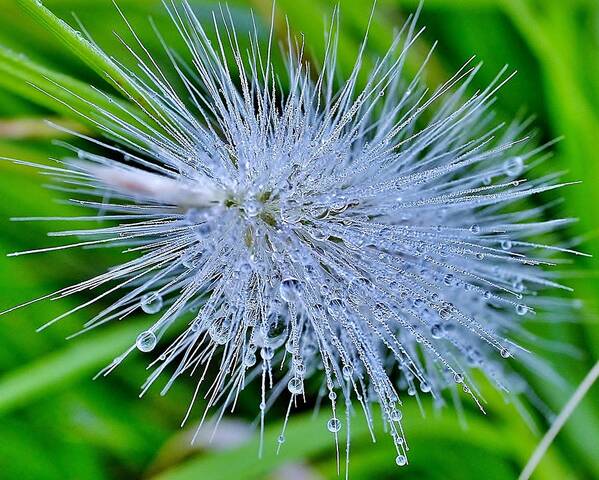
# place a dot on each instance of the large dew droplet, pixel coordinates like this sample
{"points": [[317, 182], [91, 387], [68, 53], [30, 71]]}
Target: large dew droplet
{"points": [[151, 302], [521, 309], [295, 385], [401, 460], [289, 289], [513, 166], [146, 341], [333, 425]]}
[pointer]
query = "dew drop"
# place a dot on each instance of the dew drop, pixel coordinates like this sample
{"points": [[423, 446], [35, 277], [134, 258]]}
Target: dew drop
{"points": [[505, 353], [281, 438], [401, 460], [146, 341], [396, 415], [513, 166], [289, 289], [249, 359], [475, 228], [436, 331], [252, 208], [333, 425], [521, 309], [506, 244], [267, 353], [295, 385], [151, 302]]}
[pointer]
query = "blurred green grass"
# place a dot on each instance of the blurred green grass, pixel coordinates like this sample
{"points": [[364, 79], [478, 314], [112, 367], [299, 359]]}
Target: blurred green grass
{"points": [[55, 423]]}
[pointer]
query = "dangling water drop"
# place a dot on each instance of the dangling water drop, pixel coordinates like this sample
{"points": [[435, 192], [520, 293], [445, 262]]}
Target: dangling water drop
{"points": [[289, 289], [151, 302], [146, 341], [334, 425]]}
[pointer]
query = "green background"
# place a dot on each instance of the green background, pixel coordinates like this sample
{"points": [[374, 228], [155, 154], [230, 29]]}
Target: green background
{"points": [[56, 423]]}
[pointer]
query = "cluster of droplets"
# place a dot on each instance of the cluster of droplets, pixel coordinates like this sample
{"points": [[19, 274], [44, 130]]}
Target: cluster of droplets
{"points": [[348, 237]]}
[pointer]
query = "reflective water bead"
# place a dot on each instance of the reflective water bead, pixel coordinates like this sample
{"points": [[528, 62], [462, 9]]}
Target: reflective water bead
{"points": [[436, 331], [335, 307], [333, 425], [521, 309], [146, 341], [396, 415], [295, 385], [289, 289], [267, 353], [249, 359], [401, 460], [281, 438], [151, 302], [513, 166], [252, 208], [506, 244], [347, 371], [475, 228]]}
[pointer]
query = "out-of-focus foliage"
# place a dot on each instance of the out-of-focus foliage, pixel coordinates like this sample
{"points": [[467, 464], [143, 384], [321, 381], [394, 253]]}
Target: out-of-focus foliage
{"points": [[56, 423]]}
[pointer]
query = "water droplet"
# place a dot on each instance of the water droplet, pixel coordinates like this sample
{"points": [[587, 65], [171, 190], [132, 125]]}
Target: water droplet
{"points": [[335, 307], [396, 415], [146, 341], [458, 378], [289, 289], [281, 438], [295, 385], [251, 208], [333, 425], [267, 353], [245, 268], [401, 460], [249, 359], [521, 309], [475, 228], [151, 302], [436, 331], [513, 166], [506, 244], [347, 371], [505, 353]]}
